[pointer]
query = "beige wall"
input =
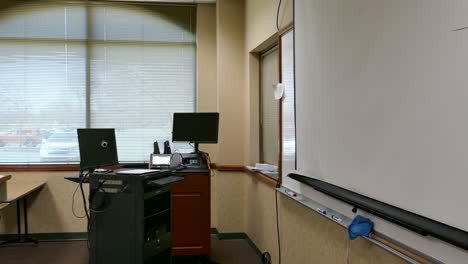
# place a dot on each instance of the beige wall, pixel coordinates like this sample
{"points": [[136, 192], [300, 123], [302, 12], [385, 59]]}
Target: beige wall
{"points": [[207, 89], [260, 19], [306, 236], [231, 80], [260, 215], [50, 208], [229, 199]]}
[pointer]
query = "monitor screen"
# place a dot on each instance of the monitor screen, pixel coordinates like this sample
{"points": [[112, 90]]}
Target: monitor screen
{"points": [[97, 147], [195, 127]]}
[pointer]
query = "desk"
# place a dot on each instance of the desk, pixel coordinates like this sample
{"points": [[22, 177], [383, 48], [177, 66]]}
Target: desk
{"points": [[3, 186], [17, 193]]}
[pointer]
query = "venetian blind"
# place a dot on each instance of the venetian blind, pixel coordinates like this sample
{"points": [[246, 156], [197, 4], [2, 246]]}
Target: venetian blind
{"points": [[142, 71], [42, 74], [141, 60], [269, 107]]}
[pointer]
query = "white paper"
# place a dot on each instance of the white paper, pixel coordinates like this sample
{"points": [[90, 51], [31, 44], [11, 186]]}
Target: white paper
{"points": [[136, 171], [278, 90], [263, 167]]}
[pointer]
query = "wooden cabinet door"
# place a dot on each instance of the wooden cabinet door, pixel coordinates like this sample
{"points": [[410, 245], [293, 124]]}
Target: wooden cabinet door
{"points": [[191, 226]]}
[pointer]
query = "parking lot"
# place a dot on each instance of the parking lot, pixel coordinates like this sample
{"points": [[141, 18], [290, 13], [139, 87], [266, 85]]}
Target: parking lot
{"points": [[16, 153], [61, 146], [30, 145]]}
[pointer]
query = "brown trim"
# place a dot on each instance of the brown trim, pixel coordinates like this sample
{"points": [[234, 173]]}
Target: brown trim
{"points": [[59, 167], [285, 29], [261, 177], [260, 109], [280, 114], [238, 168], [280, 129], [40, 168], [419, 259]]}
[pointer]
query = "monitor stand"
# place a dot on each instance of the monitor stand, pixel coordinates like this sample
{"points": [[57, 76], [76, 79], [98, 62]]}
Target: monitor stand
{"points": [[194, 160]]}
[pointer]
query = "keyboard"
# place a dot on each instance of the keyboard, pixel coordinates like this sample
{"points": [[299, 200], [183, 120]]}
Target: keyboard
{"points": [[165, 180]]}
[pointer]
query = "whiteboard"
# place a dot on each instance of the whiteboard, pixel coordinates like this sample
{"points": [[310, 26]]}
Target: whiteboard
{"points": [[382, 107]]}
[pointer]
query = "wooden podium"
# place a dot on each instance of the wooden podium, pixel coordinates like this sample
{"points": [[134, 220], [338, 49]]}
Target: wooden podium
{"points": [[191, 214]]}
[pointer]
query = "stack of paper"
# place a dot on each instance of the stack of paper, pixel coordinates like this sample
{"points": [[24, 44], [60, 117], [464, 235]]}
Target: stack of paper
{"points": [[263, 167]]}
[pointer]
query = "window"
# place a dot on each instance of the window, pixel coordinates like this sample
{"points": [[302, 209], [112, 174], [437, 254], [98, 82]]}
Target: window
{"points": [[269, 117], [67, 65], [288, 114]]}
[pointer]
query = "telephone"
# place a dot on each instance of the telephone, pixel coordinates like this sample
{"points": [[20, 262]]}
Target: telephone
{"points": [[160, 161], [176, 160], [194, 161]]}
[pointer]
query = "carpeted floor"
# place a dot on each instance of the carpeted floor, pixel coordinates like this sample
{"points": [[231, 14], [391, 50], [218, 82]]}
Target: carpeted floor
{"points": [[75, 252]]}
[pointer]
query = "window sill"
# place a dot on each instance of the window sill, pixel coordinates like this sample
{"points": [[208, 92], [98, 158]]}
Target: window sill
{"points": [[49, 167], [237, 168], [58, 167], [265, 178]]}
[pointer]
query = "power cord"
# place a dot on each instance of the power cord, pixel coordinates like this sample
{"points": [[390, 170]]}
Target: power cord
{"points": [[83, 194], [347, 251], [73, 204], [208, 162], [95, 211], [93, 192], [277, 227], [109, 207], [277, 16], [91, 198], [85, 207]]}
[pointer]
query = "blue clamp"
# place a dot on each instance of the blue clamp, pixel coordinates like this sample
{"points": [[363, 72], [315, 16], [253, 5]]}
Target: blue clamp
{"points": [[360, 226]]}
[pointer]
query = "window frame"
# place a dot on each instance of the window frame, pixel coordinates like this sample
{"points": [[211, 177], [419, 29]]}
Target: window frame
{"points": [[274, 183]]}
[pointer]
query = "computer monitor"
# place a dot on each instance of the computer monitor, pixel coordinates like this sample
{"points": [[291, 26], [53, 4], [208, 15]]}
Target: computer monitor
{"points": [[195, 128], [98, 148]]}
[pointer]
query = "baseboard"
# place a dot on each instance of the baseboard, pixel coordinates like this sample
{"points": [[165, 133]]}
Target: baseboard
{"points": [[232, 236], [50, 236], [236, 236], [214, 231]]}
